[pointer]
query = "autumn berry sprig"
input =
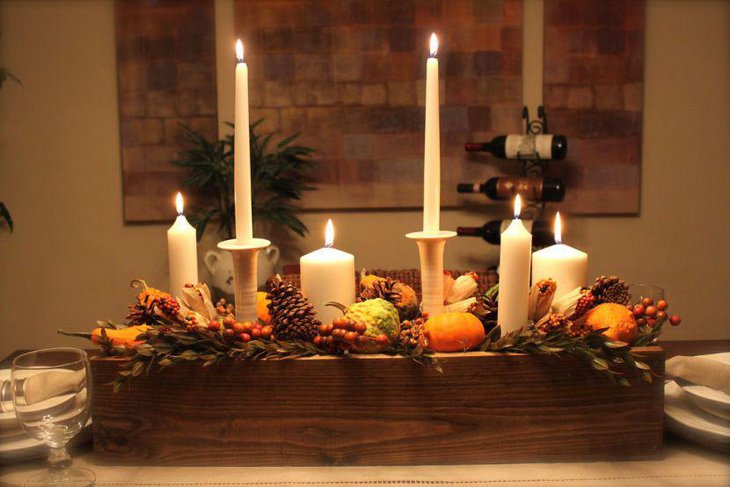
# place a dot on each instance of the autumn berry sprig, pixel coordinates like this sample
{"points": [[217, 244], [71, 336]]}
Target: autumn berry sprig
{"points": [[650, 317]]}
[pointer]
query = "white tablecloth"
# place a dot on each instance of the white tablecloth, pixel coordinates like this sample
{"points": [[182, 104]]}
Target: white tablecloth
{"points": [[683, 465]]}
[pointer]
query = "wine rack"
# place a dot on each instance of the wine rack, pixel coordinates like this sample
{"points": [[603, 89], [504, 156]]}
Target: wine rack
{"points": [[532, 165]]}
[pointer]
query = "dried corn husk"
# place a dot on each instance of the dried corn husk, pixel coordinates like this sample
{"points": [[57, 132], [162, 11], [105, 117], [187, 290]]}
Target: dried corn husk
{"points": [[464, 287], [567, 302], [541, 297], [460, 306], [197, 299], [448, 283]]}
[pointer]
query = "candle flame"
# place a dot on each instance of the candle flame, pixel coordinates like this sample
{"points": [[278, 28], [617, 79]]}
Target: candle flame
{"points": [[239, 50], [329, 234], [179, 203], [558, 228], [434, 44], [518, 206]]}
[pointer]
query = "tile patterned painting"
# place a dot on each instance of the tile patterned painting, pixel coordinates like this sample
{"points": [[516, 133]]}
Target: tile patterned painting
{"points": [[593, 80], [350, 76], [166, 73]]}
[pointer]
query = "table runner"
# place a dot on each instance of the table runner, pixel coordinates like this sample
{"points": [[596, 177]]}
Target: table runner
{"points": [[683, 465]]}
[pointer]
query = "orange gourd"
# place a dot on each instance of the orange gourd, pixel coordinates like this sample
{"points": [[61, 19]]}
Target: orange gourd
{"points": [[453, 332], [119, 338], [262, 307]]}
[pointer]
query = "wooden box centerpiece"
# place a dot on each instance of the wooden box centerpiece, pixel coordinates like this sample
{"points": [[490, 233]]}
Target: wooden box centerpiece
{"points": [[376, 410]]}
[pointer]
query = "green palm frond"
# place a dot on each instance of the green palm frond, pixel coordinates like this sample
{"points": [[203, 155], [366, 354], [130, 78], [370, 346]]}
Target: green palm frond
{"points": [[279, 177]]}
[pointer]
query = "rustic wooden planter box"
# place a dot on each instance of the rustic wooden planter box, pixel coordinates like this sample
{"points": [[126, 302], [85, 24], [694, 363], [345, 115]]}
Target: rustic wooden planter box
{"points": [[377, 410]]}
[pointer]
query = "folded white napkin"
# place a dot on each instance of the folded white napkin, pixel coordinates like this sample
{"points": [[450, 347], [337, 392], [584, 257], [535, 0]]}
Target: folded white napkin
{"points": [[45, 385], [700, 371]]}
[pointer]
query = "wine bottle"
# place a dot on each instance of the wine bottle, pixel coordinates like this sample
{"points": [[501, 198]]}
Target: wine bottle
{"points": [[543, 146], [542, 231], [533, 189]]}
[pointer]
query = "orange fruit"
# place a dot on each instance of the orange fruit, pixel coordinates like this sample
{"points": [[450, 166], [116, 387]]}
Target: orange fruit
{"points": [[262, 307], [617, 318], [453, 332]]}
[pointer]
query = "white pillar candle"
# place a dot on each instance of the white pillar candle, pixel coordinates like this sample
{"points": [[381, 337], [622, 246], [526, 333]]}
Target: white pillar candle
{"points": [[242, 153], [432, 145], [181, 251], [561, 263], [514, 274], [328, 274]]}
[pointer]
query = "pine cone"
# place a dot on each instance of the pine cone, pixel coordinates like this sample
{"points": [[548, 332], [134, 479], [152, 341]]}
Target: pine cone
{"points": [[411, 332], [611, 289], [555, 322], [292, 315], [140, 314], [384, 289], [485, 308]]}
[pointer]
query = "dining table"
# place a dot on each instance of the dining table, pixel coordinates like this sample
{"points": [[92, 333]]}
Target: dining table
{"points": [[682, 464]]}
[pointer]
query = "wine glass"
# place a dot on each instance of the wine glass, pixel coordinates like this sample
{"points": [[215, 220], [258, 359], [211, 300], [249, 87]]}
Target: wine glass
{"points": [[641, 290], [50, 390]]}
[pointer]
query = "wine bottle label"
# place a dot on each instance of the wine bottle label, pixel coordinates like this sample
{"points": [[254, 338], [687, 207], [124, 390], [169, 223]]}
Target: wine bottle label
{"points": [[528, 146], [529, 188]]}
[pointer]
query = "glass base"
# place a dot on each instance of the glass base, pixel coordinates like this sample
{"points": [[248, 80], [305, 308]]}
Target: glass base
{"points": [[70, 477]]}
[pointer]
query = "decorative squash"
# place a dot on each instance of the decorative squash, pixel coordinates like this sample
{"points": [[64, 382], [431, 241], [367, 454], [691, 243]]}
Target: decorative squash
{"points": [[453, 332], [617, 318], [262, 307], [149, 296], [121, 338]]}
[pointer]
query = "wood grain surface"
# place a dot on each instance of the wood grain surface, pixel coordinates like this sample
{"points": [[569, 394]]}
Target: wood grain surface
{"points": [[376, 410]]}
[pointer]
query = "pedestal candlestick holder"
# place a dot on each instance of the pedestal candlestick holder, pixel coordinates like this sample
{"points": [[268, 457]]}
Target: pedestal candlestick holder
{"points": [[245, 261], [431, 251]]}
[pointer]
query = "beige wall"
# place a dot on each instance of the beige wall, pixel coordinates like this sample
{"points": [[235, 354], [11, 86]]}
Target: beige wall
{"points": [[71, 256]]}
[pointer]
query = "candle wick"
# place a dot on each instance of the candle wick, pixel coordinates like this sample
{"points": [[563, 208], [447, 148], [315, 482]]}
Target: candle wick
{"points": [[328, 245]]}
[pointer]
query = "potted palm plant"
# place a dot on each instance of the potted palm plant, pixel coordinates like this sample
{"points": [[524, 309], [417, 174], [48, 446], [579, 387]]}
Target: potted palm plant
{"points": [[279, 177], [6, 221]]}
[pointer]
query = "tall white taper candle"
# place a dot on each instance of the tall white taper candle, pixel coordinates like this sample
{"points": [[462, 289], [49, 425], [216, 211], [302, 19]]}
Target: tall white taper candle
{"points": [[514, 274], [432, 145], [242, 153]]}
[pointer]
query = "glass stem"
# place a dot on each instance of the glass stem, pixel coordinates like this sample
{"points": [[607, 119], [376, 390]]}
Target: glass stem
{"points": [[58, 462]]}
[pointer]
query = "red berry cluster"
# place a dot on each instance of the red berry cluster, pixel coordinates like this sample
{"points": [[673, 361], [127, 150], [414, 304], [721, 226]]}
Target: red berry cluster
{"points": [[190, 321], [343, 334], [168, 305], [237, 331], [648, 313], [224, 308]]}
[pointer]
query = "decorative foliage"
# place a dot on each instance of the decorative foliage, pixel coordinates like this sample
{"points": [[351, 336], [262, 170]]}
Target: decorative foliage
{"points": [[7, 75], [168, 346], [6, 221], [610, 358], [278, 179], [165, 331]]}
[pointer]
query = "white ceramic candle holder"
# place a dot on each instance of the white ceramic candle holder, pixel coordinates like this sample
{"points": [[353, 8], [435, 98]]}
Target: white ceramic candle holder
{"points": [[431, 251], [245, 260]]}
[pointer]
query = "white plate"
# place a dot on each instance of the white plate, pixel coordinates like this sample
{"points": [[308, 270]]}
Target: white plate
{"points": [[711, 400], [25, 448], [7, 420], [687, 420]]}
